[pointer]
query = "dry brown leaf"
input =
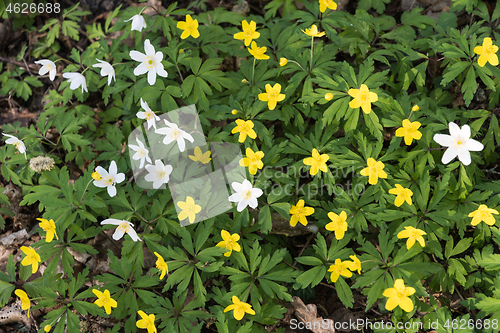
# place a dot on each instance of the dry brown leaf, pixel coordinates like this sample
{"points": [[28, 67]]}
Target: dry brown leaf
{"points": [[309, 316]]}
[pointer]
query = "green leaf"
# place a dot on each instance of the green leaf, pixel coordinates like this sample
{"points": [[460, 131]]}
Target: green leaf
{"points": [[344, 292]]}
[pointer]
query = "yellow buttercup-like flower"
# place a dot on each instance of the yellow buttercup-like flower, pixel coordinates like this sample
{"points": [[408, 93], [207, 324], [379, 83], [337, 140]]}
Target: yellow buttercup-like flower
{"points": [[355, 264], [338, 224], [147, 322], [244, 128], [253, 161], [403, 194], [374, 171], [240, 308], [313, 32], [487, 53], [96, 175], [272, 96], [413, 235], [189, 209], [328, 96], [299, 213], [25, 301], [324, 4], [49, 227], [483, 213], [229, 242], [104, 300], [32, 258], [258, 52], [317, 162], [200, 157], [190, 28], [339, 268], [415, 108], [283, 61], [249, 32], [362, 98], [161, 265], [409, 131], [398, 296], [234, 111], [47, 328]]}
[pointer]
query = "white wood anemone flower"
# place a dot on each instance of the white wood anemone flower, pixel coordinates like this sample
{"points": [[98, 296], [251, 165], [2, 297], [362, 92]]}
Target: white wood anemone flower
{"points": [[150, 62], [108, 179], [173, 133], [149, 115], [246, 195], [138, 22], [76, 80], [141, 154], [459, 144], [47, 67], [158, 174], [12, 140], [124, 227], [106, 70]]}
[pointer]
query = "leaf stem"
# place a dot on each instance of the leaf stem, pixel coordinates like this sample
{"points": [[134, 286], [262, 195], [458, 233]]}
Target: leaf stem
{"points": [[253, 71], [312, 47]]}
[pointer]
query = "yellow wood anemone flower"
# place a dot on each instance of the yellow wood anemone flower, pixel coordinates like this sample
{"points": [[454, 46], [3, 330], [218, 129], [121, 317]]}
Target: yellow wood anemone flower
{"points": [[339, 268], [272, 96], [244, 128], [190, 28], [413, 235], [402, 195], [409, 131], [487, 53], [253, 160], [240, 308], [104, 300], [147, 322], [355, 264], [25, 301], [483, 213], [161, 265], [249, 32], [229, 242], [258, 52], [49, 227], [189, 209], [324, 4], [200, 157], [32, 258], [299, 213], [283, 62], [317, 162], [374, 171], [313, 31], [363, 98], [398, 296], [338, 224]]}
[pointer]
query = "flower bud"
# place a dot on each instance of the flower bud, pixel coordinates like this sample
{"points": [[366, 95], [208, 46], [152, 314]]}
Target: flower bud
{"points": [[415, 108], [328, 96], [283, 61]]}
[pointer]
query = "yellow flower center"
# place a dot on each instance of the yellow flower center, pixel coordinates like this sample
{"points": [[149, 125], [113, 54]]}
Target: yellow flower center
{"points": [[229, 244], [149, 115], [109, 180], [150, 62], [272, 95], [160, 174], [459, 142], [364, 96], [403, 194], [124, 226], [96, 176], [401, 293], [245, 128], [483, 215], [141, 152], [489, 50], [17, 144], [248, 33], [175, 134], [414, 234], [374, 170], [246, 195]]}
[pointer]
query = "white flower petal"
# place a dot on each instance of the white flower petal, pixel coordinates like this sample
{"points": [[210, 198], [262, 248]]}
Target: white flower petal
{"points": [[118, 234], [241, 205], [449, 155], [444, 140], [152, 76], [141, 69], [120, 178], [464, 156], [111, 190], [253, 202], [133, 235], [454, 130], [181, 143], [474, 145], [111, 221], [113, 169], [101, 171], [465, 132], [238, 187], [137, 56], [100, 183], [145, 106], [148, 48]]}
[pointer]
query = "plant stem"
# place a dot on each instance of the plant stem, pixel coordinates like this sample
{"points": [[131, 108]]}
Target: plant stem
{"points": [[311, 64], [253, 71], [86, 187]]}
